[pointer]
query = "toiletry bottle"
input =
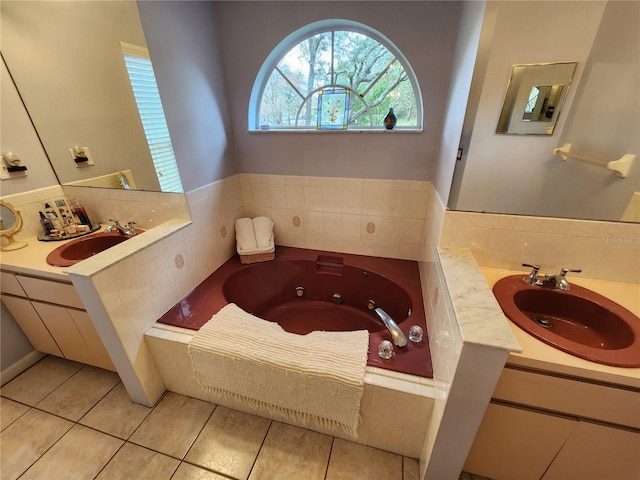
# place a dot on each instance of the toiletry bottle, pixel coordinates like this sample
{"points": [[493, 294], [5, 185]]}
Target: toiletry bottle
{"points": [[53, 217], [47, 226], [80, 211]]}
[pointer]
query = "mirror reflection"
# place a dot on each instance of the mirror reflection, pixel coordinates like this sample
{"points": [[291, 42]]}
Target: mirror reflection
{"points": [[78, 85], [519, 173], [543, 100], [535, 94]]}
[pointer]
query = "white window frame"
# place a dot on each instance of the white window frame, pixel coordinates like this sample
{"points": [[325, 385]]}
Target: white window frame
{"points": [[293, 39]]}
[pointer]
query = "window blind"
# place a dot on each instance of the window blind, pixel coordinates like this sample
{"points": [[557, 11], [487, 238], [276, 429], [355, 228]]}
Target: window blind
{"points": [[145, 91]]}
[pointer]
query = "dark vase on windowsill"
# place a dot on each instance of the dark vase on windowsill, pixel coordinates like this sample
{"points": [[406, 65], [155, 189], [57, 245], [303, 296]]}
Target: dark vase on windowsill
{"points": [[390, 120]]}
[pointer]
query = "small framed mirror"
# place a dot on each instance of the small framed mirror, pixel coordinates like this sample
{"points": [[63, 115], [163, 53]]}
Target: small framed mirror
{"points": [[10, 225], [534, 98]]}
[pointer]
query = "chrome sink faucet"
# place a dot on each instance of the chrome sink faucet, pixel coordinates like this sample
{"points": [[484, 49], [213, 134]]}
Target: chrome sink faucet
{"points": [[558, 281], [129, 230]]}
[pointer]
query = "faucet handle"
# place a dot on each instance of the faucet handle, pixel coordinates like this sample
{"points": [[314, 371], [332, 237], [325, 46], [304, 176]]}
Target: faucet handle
{"points": [[115, 222], [565, 270], [532, 278]]}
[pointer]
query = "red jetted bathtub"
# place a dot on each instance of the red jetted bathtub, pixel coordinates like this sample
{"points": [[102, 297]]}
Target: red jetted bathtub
{"points": [[306, 290]]}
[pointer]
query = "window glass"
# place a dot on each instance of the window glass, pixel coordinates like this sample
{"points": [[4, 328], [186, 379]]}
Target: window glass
{"points": [[305, 89]]}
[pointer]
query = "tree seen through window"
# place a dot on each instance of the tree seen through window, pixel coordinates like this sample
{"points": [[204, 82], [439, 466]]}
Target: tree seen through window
{"points": [[373, 76]]}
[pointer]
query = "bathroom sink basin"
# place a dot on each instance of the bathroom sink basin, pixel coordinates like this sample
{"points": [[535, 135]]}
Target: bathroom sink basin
{"points": [[579, 321], [83, 248]]}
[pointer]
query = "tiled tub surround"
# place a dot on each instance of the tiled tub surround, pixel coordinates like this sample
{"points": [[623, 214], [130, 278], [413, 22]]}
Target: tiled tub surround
{"points": [[125, 296], [269, 290], [383, 218], [395, 407]]}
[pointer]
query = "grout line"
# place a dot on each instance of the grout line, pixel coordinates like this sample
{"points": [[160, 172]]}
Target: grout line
{"points": [[326, 470]]}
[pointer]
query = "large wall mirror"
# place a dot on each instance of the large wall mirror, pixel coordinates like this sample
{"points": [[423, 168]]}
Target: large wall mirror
{"points": [[534, 99], [514, 170], [67, 62]]}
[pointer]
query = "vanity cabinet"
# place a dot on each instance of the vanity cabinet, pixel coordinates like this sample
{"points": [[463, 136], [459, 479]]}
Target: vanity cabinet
{"points": [[52, 316], [543, 426]]}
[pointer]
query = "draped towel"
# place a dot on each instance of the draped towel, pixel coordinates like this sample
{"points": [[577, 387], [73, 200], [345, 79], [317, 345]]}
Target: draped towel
{"points": [[315, 377]]}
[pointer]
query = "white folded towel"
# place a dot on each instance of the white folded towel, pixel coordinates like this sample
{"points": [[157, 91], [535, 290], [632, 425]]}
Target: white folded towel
{"points": [[316, 378], [263, 228], [245, 235]]}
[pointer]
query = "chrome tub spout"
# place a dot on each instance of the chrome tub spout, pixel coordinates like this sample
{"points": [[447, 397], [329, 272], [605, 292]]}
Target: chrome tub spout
{"points": [[397, 336]]}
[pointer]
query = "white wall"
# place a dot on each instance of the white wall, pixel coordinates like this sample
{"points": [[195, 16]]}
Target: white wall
{"points": [[424, 31], [66, 61], [505, 173], [17, 135], [181, 37], [461, 77], [603, 123]]}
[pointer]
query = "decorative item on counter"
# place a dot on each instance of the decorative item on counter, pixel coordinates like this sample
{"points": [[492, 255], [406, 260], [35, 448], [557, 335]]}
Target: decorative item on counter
{"points": [[390, 120], [78, 210], [47, 226]]}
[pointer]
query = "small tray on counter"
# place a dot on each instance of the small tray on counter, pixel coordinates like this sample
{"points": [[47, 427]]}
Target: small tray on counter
{"points": [[48, 238]]}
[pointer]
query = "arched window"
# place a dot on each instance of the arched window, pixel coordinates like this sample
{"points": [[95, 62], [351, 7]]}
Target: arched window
{"points": [[335, 75]]}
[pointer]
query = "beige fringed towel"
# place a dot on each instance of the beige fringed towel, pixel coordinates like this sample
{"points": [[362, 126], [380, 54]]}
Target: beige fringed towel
{"points": [[317, 377]]}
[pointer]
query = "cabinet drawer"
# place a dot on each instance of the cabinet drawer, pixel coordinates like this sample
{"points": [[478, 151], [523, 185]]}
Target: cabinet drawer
{"points": [[568, 396], [10, 284], [50, 291]]}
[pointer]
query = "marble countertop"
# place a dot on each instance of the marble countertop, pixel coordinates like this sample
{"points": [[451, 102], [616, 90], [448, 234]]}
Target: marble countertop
{"points": [[540, 356]]}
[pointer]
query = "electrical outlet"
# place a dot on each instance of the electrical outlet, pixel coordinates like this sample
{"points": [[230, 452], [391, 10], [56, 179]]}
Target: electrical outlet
{"points": [[78, 154]]}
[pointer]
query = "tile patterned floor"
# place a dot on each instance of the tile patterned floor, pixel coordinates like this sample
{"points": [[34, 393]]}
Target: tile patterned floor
{"points": [[65, 420]]}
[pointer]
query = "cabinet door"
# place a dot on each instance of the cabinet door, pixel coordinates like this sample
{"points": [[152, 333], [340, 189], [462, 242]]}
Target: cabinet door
{"points": [[516, 443], [75, 334], [96, 354], [594, 452], [63, 329], [31, 324]]}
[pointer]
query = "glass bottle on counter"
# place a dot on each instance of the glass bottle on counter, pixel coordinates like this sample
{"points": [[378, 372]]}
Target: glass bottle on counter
{"points": [[47, 226]]}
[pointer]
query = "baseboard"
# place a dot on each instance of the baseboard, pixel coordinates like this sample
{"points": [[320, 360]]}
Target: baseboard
{"points": [[20, 366]]}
